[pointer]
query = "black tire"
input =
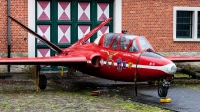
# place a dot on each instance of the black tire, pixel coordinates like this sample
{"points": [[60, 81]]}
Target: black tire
{"points": [[162, 91], [42, 82]]}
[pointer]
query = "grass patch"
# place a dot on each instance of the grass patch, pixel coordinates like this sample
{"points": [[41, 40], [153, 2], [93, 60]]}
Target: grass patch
{"points": [[5, 103], [189, 85], [180, 75], [115, 103], [186, 81]]}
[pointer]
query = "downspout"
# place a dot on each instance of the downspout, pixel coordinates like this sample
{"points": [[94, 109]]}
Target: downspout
{"points": [[8, 32]]}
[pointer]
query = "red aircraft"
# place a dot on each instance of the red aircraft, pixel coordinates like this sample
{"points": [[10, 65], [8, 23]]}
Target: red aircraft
{"points": [[114, 56]]}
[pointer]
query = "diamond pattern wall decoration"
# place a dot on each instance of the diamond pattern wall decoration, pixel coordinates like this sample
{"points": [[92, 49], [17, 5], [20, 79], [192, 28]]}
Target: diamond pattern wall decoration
{"points": [[104, 29], [64, 10], [44, 31], [43, 10], [64, 34], [83, 11], [102, 11], [43, 52], [83, 30]]}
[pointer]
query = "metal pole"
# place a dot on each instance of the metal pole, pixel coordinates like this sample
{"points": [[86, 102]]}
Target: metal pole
{"points": [[8, 32]]}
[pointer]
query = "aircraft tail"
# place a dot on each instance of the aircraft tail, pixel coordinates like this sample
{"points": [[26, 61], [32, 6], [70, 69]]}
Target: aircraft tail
{"points": [[88, 35], [45, 41]]}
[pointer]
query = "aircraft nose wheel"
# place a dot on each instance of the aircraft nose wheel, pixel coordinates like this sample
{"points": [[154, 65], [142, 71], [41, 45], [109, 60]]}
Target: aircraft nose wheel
{"points": [[163, 88], [162, 91], [42, 82]]}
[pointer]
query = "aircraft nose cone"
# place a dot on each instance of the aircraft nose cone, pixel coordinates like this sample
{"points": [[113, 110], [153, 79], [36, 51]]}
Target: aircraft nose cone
{"points": [[172, 69]]}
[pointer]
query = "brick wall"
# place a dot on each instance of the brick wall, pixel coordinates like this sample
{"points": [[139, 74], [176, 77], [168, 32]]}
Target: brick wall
{"points": [[3, 26], [154, 20], [19, 10]]}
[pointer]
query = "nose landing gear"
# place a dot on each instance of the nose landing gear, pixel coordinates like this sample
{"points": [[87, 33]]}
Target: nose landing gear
{"points": [[163, 90]]}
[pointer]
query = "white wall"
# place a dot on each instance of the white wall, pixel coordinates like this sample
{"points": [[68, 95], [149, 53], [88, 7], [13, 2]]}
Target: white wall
{"points": [[31, 25], [117, 25]]}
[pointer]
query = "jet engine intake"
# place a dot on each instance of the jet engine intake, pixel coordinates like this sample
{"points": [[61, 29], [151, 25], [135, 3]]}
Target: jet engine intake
{"points": [[95, 61]]}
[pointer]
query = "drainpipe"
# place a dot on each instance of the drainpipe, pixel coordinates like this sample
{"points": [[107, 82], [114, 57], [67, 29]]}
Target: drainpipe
{"points": [[8, 32]]}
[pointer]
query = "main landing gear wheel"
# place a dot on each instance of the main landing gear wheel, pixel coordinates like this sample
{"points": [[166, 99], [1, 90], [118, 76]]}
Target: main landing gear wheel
{"points": [[42, 82], [71, 71]]}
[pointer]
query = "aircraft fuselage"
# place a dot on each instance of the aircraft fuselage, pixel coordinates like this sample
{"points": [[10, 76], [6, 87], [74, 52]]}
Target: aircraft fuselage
{"points": [[125, 65]]}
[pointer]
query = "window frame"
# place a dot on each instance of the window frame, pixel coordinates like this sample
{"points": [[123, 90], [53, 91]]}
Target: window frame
{"points": [[117, 36], [194, 11]]}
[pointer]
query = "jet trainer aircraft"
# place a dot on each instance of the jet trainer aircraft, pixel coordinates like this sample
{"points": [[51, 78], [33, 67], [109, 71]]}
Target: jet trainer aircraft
{"points": [[114, 56]]}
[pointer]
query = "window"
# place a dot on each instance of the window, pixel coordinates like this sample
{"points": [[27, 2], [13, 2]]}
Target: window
{"points": [[107, 39], [115, 42], [186, 24], [133, 47], [144, 43], [125, 40]]}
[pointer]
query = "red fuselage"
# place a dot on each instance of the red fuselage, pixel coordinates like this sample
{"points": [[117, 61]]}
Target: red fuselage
{"points": [[111, 61]]}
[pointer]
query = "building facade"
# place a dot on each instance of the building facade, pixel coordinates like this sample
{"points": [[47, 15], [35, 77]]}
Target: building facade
{"points": [[172, 27]]}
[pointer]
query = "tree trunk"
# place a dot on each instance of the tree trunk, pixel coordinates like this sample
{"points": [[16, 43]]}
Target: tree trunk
{"points": [[189, 70]]}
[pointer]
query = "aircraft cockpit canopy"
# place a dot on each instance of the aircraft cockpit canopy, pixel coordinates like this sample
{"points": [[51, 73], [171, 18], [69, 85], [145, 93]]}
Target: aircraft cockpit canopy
{"points": [[120, 42], [124, 42], [108, 39]]}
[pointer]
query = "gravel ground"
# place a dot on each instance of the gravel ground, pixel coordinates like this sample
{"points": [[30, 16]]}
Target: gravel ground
{"points": [[70, 96]]}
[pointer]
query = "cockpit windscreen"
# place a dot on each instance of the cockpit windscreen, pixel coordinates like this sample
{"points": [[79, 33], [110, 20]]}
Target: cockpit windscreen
{"points": [[144, 43]]}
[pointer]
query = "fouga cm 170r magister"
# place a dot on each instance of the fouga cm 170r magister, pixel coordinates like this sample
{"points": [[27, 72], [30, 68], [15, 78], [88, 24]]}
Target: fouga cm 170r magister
{"points": [[114, 56]]}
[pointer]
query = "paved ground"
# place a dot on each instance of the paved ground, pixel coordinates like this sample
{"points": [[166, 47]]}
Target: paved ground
{"points": [[183, 99]]}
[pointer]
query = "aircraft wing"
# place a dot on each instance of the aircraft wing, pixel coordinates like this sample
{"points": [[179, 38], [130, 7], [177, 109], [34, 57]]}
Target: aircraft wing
{"points": [[53, 60], [183, 58]]}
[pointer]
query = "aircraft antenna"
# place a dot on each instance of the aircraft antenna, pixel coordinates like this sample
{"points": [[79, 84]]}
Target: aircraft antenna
{"points": [[136, 72], [124, 31]]}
